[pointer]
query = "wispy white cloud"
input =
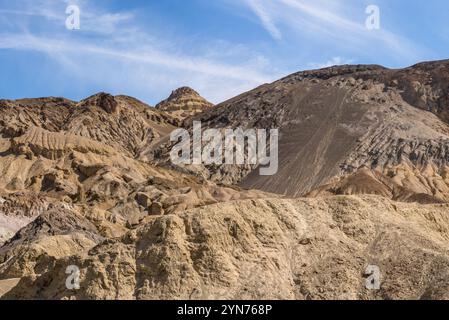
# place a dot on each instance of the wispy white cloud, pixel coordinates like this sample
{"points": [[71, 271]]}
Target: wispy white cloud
{"points": [[124, 57], [143, 54], [339, 22], [115, 51], [346, 29]]}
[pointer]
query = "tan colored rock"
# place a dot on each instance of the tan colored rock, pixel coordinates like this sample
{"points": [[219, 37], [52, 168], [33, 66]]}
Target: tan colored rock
{"points": [[183, 103], [52, 145], [266, 249], [143, 199], [89, 184]]}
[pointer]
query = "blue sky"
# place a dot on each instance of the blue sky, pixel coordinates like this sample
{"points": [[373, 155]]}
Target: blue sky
{"points": [[220, 48]]}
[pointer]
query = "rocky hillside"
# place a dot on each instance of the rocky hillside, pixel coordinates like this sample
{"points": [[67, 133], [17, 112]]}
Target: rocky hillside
{"points": [[184, 103], [82, 156], [255, 249], [89, 184]]}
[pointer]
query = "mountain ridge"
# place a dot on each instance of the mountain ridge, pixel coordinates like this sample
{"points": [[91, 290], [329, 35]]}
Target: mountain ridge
{"points": [[357, 109], [363, 180]]}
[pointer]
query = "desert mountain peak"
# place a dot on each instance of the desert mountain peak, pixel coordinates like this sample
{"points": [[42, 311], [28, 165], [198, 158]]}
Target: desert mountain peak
{"points": [[184, 102], [183, 91]]}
